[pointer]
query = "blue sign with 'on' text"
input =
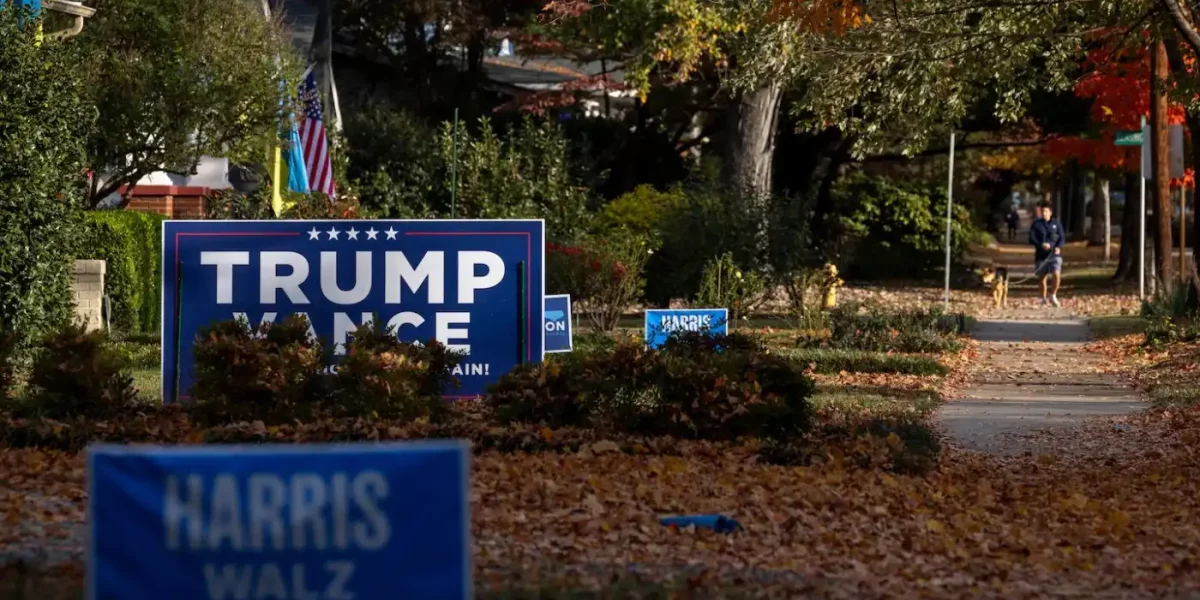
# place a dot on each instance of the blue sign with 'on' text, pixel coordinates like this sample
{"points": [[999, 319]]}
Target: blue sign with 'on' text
{"points": [[661, 323], [305, 522], [475, 286], [559, 333]]}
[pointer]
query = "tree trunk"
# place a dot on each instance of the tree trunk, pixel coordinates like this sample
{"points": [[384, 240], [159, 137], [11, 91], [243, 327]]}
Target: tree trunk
{"points": [[1193, 125], [1161, 166], [1101, 225], [321, 55], [751, 142], [1131, 235]]}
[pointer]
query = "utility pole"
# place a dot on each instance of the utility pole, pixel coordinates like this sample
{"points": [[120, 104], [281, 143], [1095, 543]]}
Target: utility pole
{"points": [[949, 214], [1159, 74]]}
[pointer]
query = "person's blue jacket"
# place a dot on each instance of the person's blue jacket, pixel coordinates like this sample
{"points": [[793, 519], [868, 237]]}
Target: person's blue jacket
{"points": [[1046, 232]]}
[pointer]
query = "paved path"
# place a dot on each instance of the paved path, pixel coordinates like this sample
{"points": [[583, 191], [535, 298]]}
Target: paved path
{"points": [[1032, 375]]}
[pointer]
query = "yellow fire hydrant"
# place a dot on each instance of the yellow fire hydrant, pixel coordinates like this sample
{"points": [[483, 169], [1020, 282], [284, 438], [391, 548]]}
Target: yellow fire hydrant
{"points": [[829, 286]]}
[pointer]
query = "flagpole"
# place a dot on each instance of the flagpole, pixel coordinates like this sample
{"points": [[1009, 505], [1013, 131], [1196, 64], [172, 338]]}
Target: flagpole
{"points": [[454, 169], [274, 151], [337, 106]]}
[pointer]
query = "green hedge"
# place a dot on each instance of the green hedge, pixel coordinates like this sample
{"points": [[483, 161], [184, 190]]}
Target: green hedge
{"points": [[131, 243]]}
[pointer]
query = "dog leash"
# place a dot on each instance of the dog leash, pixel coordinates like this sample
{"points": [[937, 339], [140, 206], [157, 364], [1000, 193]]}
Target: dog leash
{"points": [[1036, 270]]}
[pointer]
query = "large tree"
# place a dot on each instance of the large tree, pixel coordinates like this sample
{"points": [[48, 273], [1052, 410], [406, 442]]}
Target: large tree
{"points": [[175, 80], [889, 76]]}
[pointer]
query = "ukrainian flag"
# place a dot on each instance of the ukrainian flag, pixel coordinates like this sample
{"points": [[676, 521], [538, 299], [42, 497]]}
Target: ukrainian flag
{"points": [[287, 165]]}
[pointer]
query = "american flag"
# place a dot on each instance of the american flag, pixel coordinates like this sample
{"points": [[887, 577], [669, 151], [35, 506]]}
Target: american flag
{"points": [[312, 138]]}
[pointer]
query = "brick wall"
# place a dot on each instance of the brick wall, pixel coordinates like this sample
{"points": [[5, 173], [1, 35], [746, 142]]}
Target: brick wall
{"points": [[171, 201], [89, 293]]}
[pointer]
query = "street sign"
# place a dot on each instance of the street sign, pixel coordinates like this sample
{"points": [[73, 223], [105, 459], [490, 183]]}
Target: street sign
{"points": [[1174, 152], [473, 285], [559, 333], [306, 521], [661, 323], [1128, 138]]}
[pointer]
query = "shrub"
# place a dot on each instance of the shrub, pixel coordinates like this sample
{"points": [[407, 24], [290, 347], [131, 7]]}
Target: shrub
{"points": [[45, 118], [232, 204], [688, 389], [8, 363], [707, 225], [724, 285], [130, 242], [603, 276], [393, 155], [855, 328], [1170, 315], [642, 211], [269, 373], [77, 374], [381, 376], [885, 229]]}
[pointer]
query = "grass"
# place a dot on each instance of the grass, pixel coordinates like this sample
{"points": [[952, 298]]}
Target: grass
{"points": [[826, 361], [1169, 396], [1115, 326], [149, 384], [874, 404]]}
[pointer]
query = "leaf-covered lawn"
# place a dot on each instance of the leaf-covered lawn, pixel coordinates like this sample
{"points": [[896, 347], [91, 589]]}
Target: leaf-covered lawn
{"points": [[1115, 517], [1111, 514]]}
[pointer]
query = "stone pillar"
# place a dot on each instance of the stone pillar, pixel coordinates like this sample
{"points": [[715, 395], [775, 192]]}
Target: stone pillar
{"points": [[89, 293]]}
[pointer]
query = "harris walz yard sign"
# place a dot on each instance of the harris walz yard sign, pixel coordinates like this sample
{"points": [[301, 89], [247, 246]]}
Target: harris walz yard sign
{"points": [[474, 285]]}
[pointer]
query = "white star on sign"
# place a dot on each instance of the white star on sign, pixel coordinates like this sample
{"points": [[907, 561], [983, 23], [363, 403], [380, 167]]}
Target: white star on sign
{"points": [[352, 234], [391, 233], [333, 233], [371, 233], [314, 234]]}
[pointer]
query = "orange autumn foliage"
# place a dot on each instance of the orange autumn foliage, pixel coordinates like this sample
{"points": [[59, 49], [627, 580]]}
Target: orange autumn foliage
{"points": [[1118, 82]]}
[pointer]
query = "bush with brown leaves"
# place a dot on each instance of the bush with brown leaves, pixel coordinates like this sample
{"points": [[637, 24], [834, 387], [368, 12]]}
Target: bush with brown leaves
{"points": [[77, 374]]}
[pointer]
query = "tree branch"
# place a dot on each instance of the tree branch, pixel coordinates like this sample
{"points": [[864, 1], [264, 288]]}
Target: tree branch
{"points": [[1183, 25], [964, 146]]}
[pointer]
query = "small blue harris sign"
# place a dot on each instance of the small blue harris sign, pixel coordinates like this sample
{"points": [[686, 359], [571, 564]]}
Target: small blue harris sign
{"points": [[662, 323], [302, 522], [559, 333], [474, 285]]}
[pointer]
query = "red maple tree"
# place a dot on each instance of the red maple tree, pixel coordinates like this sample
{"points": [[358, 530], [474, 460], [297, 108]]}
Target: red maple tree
{"points": [[1118, 83]]}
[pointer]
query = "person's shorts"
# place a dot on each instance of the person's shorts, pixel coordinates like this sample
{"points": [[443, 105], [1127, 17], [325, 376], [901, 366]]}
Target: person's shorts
{"points": [[1051, 265]]}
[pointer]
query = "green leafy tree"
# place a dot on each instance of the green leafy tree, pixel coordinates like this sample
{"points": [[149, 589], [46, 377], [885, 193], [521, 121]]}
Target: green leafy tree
{"points": [[175, 80], [45, 118], [404, 170], [868, 69]]}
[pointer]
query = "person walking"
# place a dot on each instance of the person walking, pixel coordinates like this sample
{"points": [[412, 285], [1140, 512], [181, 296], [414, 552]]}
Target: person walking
{"points": [[1013, 219], [1047, 236]]}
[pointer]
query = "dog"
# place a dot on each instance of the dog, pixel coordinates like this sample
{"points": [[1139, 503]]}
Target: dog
{"points": [[997, 278]]}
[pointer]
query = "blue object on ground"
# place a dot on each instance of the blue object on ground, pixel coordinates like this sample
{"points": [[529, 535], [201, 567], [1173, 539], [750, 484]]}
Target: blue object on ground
{"points": [[717, 523]]}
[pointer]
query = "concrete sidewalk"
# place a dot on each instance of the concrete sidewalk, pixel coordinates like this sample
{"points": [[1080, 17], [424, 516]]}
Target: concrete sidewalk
{"points": [[1033, 374]]}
